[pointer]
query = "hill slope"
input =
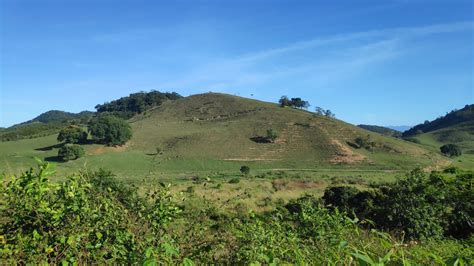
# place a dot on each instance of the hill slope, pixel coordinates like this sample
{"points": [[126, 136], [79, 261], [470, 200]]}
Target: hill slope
{"points": [[463, 117], [214, 132], [45, 124], [221, 127], [456, 127]]}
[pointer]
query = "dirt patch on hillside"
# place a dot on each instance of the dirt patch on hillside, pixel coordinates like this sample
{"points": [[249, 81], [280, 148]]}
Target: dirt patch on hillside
{"points": [[344, 155], [104, 149]]}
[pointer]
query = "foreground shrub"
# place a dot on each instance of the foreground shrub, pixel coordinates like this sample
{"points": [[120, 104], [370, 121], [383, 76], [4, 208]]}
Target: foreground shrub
{"points": [[69, 152], [87, 218], [417, 205]]}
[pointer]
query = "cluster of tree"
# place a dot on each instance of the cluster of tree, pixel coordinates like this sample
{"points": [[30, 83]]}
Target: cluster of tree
{"points": [[454, 117], [451, 150], [106, 129], [136, 103], [72, 134], [327, 113], [293, 102]]}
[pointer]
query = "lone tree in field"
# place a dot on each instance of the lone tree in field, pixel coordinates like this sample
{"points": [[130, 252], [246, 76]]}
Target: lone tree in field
{"points": [[245, 170], [72, 134], [272, 135], [110, 130], [451, 150], [70, 152]]}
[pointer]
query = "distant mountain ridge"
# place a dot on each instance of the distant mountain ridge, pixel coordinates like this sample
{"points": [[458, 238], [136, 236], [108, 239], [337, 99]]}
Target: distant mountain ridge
{"points": [[382, 130], [399, 128], [56, 116], [453, 118]]}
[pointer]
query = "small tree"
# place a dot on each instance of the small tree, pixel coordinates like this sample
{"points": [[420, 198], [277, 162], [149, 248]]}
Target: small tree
{"points": [[271, 135], [110, 130], [451, 150], [72, 134], [329, 114], [319, 110], [70, 152], [245, 170], [284, 101]]}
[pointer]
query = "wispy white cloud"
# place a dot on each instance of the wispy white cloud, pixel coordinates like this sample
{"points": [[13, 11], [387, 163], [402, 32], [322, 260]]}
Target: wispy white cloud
{"points": [[334, 57]]}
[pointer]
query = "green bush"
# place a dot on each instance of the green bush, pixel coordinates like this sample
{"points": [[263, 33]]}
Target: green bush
{"points": [[451, 150], [365, 142], [70, 152], [272, 135], [245, 170]]}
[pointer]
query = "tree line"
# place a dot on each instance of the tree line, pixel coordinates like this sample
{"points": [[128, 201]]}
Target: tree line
{"points": [[136, 103]]}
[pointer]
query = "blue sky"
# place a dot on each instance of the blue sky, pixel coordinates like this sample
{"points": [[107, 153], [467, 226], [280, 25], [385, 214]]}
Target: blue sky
{"points": [[374, 62]]}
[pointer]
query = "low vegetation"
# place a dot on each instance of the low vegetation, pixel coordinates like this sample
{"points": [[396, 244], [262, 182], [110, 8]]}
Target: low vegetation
{"points": [[88, 218], [92, 218]]}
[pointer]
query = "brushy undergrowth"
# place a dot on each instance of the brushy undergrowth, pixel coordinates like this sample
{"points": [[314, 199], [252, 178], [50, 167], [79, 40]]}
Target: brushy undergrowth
{"points": [[88, 218], [91, 218]]}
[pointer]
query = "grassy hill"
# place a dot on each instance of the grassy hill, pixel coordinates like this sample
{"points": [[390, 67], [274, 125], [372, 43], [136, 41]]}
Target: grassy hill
{"points": [[456, 127], [45, 124], [464, 116], [213, 132]]}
